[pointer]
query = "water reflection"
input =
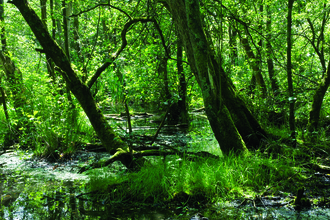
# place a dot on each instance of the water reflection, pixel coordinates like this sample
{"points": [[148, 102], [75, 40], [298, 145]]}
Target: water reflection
{"points": [[62, 200], [25, 198]]}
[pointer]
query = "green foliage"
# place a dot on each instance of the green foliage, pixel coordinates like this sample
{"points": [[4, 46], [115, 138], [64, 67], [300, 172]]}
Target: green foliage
{"points": [[59, 136]]}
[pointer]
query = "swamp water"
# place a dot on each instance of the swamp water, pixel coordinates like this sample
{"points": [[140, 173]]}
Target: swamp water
{"points": [[35, 189], [31, 188]]}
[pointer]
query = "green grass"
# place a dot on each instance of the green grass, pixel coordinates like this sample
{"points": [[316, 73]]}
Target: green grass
{"points": [[221, 179], [60, 136], [226, 178]]}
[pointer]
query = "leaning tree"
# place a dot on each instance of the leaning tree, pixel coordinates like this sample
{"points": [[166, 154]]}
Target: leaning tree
{"points": [[234, 127]]}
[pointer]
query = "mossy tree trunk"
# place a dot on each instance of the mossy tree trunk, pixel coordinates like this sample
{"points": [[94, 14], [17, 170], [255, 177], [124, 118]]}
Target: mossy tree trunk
{"points": [[188, 20], [318, 43], [232, 123], [314, 114], [111, 141], [177, 112], [15, 79]]}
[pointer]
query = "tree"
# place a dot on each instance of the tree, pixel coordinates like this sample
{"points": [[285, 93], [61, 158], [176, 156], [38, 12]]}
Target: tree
{"points": [[17, 89], [255, 60], [318, 43], [291, 98], [182, 102], [232, 123], [111, 141], [270, 62]]}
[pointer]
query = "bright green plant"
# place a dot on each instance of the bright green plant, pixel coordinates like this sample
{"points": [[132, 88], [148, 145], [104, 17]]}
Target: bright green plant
{"points": [[227, 177]]}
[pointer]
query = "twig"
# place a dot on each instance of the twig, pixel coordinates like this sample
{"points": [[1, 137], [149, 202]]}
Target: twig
{"points": [[161, 125]]}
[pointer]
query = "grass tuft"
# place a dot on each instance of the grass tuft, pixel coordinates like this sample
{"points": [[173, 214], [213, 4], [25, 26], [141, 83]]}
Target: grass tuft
{"points": [[226, 178]]}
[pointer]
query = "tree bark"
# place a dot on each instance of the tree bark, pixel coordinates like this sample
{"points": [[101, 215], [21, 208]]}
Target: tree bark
{"points": [[162, 71], [13, 74], [15, 79], [172, 114], [2, 34]]}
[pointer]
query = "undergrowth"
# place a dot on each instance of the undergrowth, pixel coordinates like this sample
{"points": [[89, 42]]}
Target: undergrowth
{"points": [[170, 178], [223, 179]]}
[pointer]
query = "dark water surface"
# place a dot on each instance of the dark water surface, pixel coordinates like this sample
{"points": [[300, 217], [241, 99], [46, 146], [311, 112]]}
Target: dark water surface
{"points": [[35, 189]]}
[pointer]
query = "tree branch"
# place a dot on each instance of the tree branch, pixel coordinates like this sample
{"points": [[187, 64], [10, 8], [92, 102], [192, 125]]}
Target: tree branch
{"points": [[100, 5], [152, 152], [162, 38], [117, 53]]}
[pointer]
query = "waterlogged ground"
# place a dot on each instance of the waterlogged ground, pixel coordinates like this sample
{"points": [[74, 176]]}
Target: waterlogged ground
{"points": [[31, 188]]}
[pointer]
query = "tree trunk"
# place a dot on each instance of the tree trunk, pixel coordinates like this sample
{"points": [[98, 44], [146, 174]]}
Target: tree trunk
{"points": [[182, 105], [49, 63], [13, 74], [76, 38], [124, 91], [2, 34], [172, 114], [15, 79], [233, 45], [314, 114], [66, 26], [4, 101], [162, 71], [270, 63], [188, 20], [230, 120], [4, 48], [255, 65], [111, 141], [289, 74]]}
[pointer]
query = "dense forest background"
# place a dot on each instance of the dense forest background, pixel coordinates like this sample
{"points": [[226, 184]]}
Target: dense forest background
{"points": [[271, 54]]}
